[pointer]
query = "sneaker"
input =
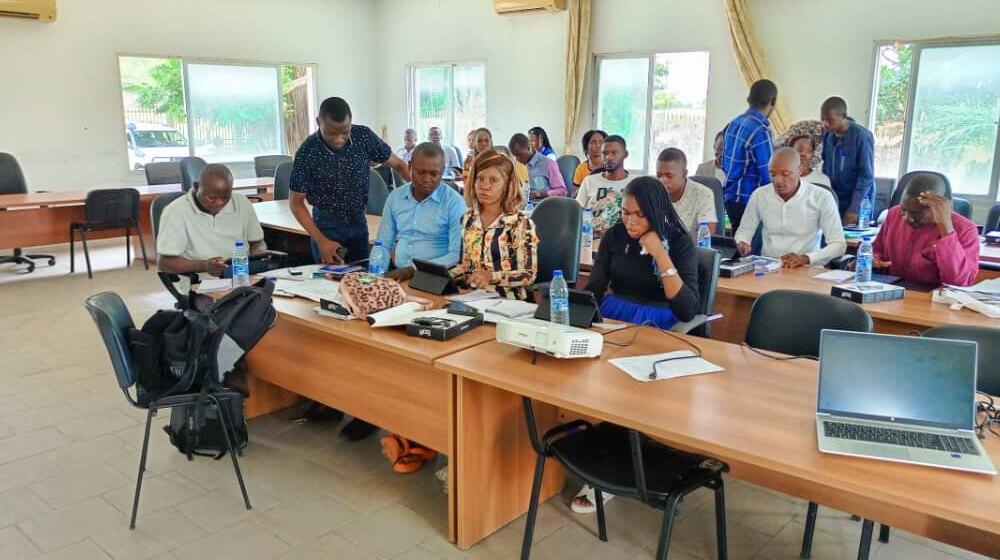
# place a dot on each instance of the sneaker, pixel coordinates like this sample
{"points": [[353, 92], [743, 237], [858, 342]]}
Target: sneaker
{"points": [[357, 430]]}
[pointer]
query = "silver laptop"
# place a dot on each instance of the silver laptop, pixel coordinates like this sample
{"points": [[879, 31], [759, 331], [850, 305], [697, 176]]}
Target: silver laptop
{"points": [[899, 398]]}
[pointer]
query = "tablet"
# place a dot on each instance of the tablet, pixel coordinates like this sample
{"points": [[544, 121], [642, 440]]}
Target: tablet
{"points": [[432, 277]]}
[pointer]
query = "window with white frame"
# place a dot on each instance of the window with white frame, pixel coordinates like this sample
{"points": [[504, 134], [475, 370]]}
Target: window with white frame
{"points": [[451, 96], [935, 106], [219, 111], [654, 101]]}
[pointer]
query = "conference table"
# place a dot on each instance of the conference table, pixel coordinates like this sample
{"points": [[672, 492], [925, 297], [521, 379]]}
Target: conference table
{"points": [[283, 232], [43, 217]]}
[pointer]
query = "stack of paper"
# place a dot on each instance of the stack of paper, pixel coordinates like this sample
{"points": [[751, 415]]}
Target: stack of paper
{"points": [[640, 367], [475, 295], [835, 275], [314, 290], [496, 309]]}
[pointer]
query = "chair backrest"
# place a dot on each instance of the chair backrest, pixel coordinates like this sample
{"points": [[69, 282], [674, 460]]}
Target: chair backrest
{"points": [[905, 180], [397, 178], [156, 209], [11, 177], [282, 180], [190, 171], [988, 341], [720, 201], [992, 219], [883, 194], [708, 282], [266, 166], [113, 321], [112, 206], [385, 171], [162, 172], [962, 206], [557, 222], [503, 150], [790, 321], [567, 167], [377, 193]]}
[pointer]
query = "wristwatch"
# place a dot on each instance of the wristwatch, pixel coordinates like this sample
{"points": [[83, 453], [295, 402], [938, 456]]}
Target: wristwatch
{"points": [[669, 272]]}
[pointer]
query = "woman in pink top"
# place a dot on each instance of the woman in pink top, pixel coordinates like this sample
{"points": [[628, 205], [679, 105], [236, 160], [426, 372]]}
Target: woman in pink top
{"points": [[924, 241]]}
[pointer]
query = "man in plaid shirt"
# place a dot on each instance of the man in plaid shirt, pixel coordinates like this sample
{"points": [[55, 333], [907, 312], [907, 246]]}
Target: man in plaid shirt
{"points": [[747, 149]]}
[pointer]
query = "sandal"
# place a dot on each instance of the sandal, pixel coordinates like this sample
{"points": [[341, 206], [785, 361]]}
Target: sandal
{"points": [[585, 500], [406, 456]]}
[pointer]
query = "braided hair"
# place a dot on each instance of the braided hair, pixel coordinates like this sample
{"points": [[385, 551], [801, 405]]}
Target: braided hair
{"points": [[543, 136], [652, 198]]}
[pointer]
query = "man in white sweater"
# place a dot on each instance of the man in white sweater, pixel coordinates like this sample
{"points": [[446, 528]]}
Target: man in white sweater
{"points": [[795, 216]]}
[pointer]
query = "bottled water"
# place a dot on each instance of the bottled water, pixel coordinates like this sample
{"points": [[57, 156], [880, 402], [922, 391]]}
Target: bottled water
{"points": [[378, 260], [704, 235], [240, 265], [865, 213], [587, 236], [759, 267], [863, 261], [656, 268], [558, 299]]}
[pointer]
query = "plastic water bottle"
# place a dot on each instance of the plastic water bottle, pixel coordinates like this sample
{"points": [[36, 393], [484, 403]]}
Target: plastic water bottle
{"points": [[558, 299], [378, 260], [587, 236], [865, 213], [863, 261], [240, 265], [704, 235], [759, 267]]}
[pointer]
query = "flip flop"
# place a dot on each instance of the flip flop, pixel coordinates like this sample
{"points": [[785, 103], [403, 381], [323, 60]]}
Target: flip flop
{"points": [[587, 492]]}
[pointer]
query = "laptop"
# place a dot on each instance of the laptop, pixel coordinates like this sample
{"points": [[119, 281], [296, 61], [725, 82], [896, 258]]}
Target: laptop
{"points": [[899, 398]]}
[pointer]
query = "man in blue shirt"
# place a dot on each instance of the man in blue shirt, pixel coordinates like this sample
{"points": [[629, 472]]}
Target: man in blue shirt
{"points": [[747, 148], [331, 172], [423, 219], [544, 177], [848, 158]]}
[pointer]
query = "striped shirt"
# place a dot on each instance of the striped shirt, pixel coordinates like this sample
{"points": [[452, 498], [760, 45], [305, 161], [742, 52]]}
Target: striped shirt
{"points": [[508, 249], [746, 154]]}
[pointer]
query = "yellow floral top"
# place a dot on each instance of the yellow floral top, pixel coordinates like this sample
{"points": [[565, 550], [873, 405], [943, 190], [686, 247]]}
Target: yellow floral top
{"points": [[508, 249]]}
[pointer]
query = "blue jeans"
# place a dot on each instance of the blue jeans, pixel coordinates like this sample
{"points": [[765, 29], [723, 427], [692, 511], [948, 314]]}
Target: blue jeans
{"points": [[352, 235]]}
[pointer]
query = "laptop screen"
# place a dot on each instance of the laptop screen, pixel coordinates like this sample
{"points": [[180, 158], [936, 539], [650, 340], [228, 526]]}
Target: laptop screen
{"points": [[898, 378]]}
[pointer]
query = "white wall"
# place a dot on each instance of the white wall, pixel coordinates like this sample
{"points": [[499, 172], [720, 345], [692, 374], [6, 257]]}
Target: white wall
{"points": [[60, 99]]}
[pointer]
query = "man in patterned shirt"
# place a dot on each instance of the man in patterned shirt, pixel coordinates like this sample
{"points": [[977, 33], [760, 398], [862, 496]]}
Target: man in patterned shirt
{"points": [[747, 148], [331, 171]]}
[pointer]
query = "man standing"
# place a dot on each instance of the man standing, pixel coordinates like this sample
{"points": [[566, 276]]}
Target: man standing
{"points": [[409, 142], [795, 216], [848, 158], [452, 157], [423, 219], [331, 171], [747, 148], [544, 178]]}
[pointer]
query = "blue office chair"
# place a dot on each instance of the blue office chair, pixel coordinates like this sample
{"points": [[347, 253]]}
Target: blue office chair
{"points": [[191, 168], [378, 192], [266, 166], [114, 321], [282, 180], [567, 167], [720, 202]]}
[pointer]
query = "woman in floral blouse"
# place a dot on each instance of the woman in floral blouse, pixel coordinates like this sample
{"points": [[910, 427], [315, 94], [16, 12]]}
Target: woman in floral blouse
{"points": [[499, 244]]}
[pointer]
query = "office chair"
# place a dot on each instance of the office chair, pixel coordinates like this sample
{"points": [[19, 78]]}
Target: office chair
{"points": [[388, 177], [377, 193], [114, 321], [282, 180], [191, 171], [962, 206], [708, 282], [162, 172], [106, 209], [266, 166], [988, 341], [567, 167], [992, 219], [626, 463], [12, 182], [884, 187], [905, 180], [558, 221], [720, 202]]}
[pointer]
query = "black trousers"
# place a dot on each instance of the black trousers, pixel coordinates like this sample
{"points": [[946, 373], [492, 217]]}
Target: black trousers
{"points": [[735, 212]]}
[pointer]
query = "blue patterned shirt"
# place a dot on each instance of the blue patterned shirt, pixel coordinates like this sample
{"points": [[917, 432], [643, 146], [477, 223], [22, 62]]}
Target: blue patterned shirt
{"points": [[746, 154], [429, 230], [335, 180]]}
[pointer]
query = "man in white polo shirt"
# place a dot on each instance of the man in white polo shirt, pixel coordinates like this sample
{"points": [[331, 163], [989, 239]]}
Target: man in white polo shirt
{"points": [[694, 202], [199, 230]]}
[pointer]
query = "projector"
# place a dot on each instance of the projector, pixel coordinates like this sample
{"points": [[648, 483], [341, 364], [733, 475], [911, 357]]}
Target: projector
{"points": [[560, 341]]}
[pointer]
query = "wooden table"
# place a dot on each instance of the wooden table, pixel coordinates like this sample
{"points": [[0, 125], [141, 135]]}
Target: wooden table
{"points": [[283, 232], [384, 377], [758, 416], [915, 312], [43, 218]]}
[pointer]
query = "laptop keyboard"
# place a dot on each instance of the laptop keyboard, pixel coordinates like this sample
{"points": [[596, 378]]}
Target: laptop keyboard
{"points": [[907, 438]]}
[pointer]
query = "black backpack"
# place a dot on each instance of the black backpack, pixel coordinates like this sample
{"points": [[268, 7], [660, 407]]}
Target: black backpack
{"points": [[196, 429]]}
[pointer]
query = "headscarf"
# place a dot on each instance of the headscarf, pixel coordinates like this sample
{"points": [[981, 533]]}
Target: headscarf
{"points": [[811, 128]]}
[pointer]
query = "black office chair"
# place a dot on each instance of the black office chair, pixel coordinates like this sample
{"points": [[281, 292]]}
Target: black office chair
{"points": [[626, 463], [567, 167], [883, 194], [114, 321], [191, 171], [992, 219], [388, 177], [12, 182], [720, 202], [961, 206], [988, 341], [905, 180], [266, 166], [377, 193], [708, 282], [106, 209], [558, 221], [162, 172], [282, 180]]}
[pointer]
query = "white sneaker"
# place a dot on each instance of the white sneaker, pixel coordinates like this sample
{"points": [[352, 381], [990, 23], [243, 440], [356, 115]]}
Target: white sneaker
{"points": [[587, 495]]}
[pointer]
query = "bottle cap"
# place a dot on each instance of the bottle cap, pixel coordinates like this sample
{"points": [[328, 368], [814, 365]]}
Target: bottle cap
{"points": [[556, 273], [589, 209], [378, 243], [239, 243]]}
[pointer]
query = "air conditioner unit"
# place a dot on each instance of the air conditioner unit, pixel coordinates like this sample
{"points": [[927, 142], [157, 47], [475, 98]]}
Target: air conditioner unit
{"points": [[42, 10], [508, 6]]}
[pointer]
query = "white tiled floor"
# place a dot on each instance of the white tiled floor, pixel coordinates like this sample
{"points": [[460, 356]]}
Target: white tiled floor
{"points": [[69, 451]]}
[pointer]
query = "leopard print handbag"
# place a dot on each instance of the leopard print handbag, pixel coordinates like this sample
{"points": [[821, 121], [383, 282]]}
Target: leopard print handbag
{"points": [[365, 293]]}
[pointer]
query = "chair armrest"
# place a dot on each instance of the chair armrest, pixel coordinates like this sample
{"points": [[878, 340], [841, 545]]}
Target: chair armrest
{"points": [[564, 430], [169, 279], [686, 327]]}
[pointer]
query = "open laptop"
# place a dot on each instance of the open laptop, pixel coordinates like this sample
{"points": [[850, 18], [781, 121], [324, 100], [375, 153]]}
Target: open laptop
{"points": [[899, 398]]}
